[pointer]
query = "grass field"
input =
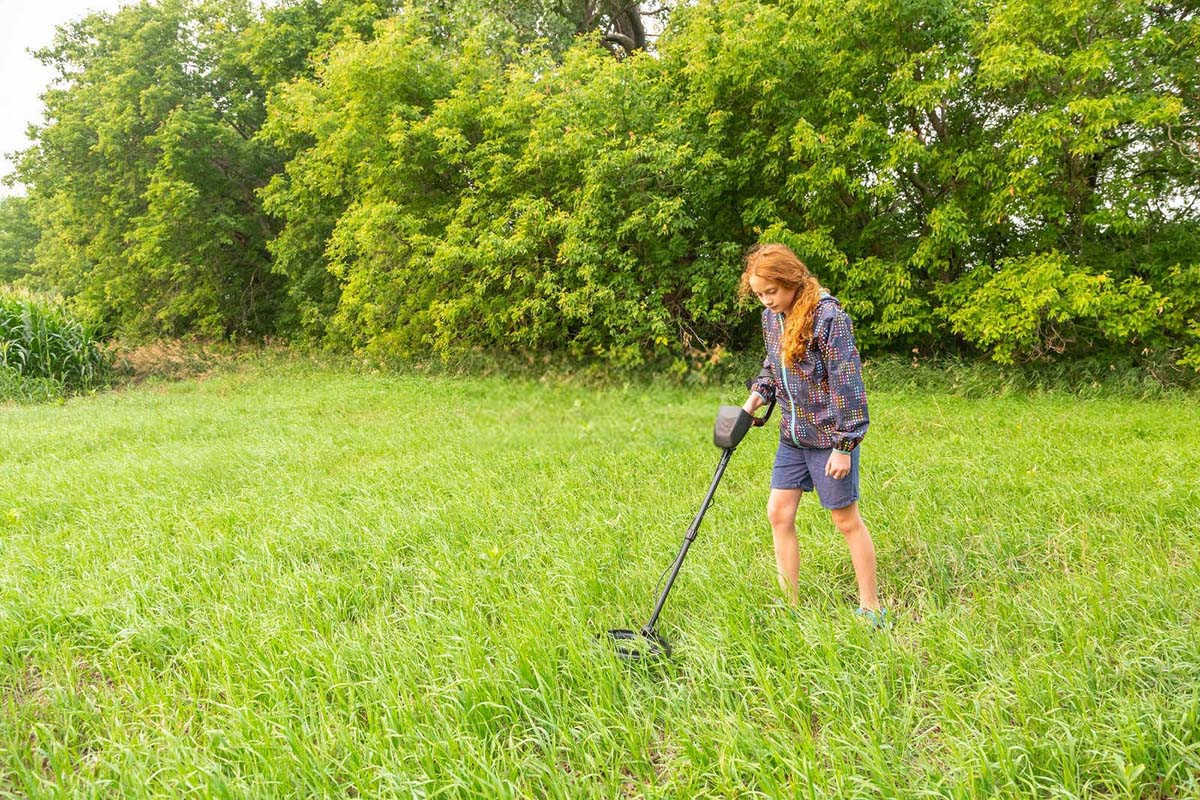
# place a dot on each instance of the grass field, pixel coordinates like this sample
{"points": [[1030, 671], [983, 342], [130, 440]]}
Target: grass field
{"points": [[288, 580]]}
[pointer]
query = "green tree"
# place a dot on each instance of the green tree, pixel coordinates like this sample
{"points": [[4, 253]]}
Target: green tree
{"points": [[564, 200], [359, 130], [120, 77], [144, 180], [18, 238], [1008, 176], [1094, 119]]}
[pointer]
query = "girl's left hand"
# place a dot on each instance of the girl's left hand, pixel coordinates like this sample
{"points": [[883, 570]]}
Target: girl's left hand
{"points": [[838, 465]]}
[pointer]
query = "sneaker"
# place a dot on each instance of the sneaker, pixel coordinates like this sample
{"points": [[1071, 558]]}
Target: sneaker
{"points": [[880, 620]]}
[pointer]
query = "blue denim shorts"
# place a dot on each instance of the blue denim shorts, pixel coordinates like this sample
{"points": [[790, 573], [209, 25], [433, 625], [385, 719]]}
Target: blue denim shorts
{"points": [[804, 468]]}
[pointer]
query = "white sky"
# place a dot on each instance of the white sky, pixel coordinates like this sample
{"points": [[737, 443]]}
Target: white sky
{"points": [[29, 24]]}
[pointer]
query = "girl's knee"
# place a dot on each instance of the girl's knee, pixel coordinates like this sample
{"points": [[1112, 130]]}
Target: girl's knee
{"points": [[847, 520], [781, 514]]}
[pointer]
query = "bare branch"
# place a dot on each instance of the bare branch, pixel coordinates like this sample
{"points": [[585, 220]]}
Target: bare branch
{"points": [[1184, 147], [621, 39]]}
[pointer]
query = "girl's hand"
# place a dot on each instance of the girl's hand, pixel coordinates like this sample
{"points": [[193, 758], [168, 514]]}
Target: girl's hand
{"points": [[838, 465], [753, 402]]}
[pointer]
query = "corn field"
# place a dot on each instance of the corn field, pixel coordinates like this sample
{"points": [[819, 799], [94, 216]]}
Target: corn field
{"points": [[40, 340]]}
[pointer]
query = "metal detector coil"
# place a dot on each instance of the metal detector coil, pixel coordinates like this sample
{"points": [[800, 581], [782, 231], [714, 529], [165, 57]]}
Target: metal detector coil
{"points": [[636, 645]]}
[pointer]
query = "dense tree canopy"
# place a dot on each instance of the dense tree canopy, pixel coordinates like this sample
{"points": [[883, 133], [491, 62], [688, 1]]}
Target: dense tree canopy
{"points": [[1014, 176], [18, 238]]}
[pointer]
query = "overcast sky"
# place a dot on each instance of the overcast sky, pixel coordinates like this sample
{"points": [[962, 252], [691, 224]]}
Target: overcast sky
{"points": [[29, 24]]}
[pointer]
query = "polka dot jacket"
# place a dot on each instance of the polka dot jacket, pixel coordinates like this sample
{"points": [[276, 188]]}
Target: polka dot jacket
{"points": [[821, 397]]}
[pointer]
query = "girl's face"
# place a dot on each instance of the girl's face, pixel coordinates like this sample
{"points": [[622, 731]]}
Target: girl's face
{"points": [[774, 296]]}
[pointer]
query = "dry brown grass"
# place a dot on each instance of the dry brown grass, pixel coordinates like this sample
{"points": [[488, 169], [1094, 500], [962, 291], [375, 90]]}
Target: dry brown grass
{"points": [[182, 359]]}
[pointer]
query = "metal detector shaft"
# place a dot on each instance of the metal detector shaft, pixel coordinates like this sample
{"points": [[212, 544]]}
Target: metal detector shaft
{"points": [[688, 539]]}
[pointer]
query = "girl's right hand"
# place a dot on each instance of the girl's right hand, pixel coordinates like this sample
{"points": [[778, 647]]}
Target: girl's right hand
{"points": [[753, 402]]}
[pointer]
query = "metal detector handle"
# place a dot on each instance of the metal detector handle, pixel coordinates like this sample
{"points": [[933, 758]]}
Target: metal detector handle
{"points": [[760, 421]]}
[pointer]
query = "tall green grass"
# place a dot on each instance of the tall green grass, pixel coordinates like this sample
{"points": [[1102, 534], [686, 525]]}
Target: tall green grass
{"points": [[16, 387], [290, 582], [40, 341]]}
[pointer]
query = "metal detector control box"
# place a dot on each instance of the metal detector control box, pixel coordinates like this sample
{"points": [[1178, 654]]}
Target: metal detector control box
{"points": [[732, 424]]}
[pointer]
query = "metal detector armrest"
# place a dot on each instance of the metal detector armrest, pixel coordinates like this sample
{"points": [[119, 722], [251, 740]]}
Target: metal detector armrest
{"points": [[732, 424]]}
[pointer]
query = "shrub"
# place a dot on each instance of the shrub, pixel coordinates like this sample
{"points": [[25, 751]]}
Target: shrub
{"points": [[957, 193]]}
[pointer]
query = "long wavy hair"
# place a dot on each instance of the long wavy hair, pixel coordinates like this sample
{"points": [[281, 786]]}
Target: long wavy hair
{"points": [[777, 262]]}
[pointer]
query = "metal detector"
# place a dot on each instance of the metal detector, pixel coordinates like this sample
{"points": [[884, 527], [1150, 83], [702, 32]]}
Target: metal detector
{"points": [[732, 424]]}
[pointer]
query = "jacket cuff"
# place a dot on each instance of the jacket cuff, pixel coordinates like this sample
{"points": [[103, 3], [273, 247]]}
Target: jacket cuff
{"points": [[846, 445], [764, 390]]}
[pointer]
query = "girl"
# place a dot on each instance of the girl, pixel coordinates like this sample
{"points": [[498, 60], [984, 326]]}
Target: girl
{"points": [[813, 370]]}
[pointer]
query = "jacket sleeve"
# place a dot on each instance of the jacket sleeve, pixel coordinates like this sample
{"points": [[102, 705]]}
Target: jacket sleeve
{"points": [[844, 370], [764, 382]]}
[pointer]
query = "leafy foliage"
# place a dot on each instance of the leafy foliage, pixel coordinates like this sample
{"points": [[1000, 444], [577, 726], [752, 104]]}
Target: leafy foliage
{"points": [[1015, 178], [18, 238], [142, 180], [603, 206]]}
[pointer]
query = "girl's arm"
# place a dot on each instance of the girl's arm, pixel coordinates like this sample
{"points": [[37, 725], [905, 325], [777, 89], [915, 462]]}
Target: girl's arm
{"points": [[762, 388], [844, 369]]}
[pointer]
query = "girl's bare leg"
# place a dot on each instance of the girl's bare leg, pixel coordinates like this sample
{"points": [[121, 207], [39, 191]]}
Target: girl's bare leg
{"points": [[862, 552], [781, 513]]}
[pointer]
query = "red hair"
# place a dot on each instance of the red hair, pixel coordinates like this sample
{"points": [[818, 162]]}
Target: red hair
{"points": [[777, 262]]}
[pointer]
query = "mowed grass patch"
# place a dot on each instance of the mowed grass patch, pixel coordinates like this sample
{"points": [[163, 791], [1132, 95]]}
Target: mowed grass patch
{"points": [[289, 581]]}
